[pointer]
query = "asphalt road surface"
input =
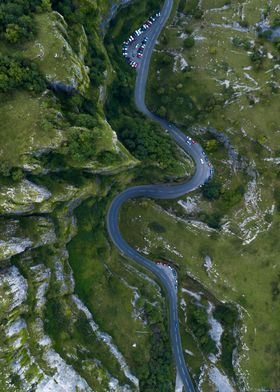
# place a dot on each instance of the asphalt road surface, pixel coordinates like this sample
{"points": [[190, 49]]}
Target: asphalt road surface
{"points": [[167, 191]]}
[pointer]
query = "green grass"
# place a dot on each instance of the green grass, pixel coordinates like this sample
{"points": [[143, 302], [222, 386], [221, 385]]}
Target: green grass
{"points": [[52, 49], [247, 112], [25, 128], [102, 283], [210, 59], [246, 275]]}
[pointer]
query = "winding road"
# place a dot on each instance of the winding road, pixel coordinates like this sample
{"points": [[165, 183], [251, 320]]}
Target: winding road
{"points": [[164, 191]]}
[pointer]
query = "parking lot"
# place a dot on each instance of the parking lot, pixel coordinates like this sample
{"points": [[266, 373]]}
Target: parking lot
{"points": [[133, 49]]}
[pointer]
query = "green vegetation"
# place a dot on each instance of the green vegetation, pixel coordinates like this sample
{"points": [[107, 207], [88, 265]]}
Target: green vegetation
{"points": [[56, 76], [17, 19], [28, 123], [228, 317], [198, 323], [228, 81], [189, 42], [53, 75], [102, 275], [145, 140], [16, 73]]}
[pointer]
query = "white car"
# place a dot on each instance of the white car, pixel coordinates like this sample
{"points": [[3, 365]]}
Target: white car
{"points": [[202, 161]]}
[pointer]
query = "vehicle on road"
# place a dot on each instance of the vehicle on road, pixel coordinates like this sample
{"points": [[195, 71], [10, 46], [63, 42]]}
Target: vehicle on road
{"points": [[202, 161], [157, 191]]}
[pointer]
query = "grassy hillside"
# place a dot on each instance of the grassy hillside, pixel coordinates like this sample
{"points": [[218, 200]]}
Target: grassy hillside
{"points": [[74, 314], [223, 75]]}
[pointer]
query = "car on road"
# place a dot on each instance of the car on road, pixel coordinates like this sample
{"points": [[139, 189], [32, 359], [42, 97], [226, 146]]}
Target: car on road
{"points": [[202, 161]]}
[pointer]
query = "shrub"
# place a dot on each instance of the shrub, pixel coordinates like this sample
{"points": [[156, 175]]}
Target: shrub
{"points": [[189, 42], [212, 189], [157, 227], [16, 72]]}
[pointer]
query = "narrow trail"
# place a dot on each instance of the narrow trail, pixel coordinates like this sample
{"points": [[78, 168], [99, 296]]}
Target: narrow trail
{"points": [[161, 191]]}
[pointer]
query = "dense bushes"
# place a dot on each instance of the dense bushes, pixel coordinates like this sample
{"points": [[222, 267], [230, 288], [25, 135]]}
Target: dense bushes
{"points": [[16, 19], [277, 197], [190, 7], [189, 42], [81, 144], [16, 73], [212, 189], [158, 375], [198, 322], [145, 140], [227, 316]]}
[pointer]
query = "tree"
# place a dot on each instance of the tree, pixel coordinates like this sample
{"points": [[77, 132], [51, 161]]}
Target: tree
{"points": [[212, 189], [211, 145], [13, 33], [189, 42]]}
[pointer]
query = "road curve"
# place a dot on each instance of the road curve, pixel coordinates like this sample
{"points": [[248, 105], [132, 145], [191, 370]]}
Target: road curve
{"points": [[164, 191]]}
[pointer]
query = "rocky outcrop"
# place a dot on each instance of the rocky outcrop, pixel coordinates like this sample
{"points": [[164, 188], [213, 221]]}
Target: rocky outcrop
{"points": [[21, 197], [63, 66]]}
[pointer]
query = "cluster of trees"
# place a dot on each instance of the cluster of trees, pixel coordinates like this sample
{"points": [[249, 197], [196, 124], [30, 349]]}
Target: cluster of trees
{"points": [[198, 322], [17, 19], [228, 316], [226, 199], [190, 7], [240, 42], [81, 144], [212, 189], [158, 375], [189, 42], [147, 142], [277, 197], [16, 73]]}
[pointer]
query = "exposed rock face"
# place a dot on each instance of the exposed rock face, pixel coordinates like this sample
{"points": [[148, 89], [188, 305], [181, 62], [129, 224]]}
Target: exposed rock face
{"points": [[64, 68], [22, 197]]}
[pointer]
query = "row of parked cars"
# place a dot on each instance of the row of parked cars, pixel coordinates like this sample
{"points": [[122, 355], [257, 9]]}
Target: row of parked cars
{"points": [[140, 47], [134, 36]]}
